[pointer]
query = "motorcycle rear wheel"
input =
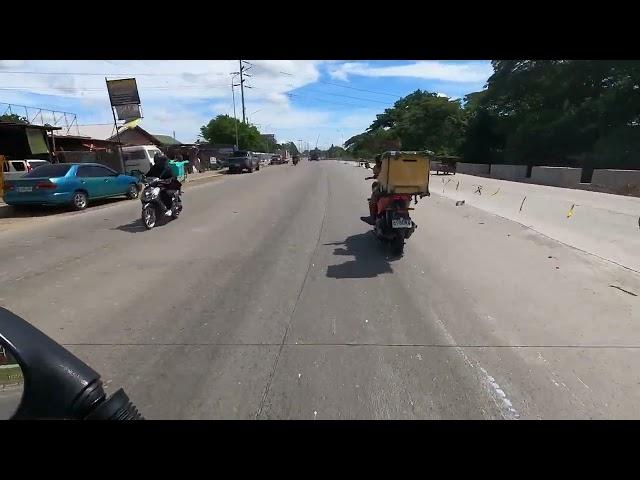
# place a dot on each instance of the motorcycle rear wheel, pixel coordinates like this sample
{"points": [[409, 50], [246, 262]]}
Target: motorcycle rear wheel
{"points": [[397, 245]]}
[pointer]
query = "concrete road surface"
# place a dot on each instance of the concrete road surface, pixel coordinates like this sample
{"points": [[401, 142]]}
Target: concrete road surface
{"points": [[10, 396], [269, 299]]}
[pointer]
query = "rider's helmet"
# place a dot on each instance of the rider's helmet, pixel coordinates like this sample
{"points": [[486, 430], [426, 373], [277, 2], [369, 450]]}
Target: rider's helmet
{"points": [[160, 159]]}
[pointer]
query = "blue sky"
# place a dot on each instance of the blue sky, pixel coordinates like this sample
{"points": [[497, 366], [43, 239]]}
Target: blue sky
{"points": [[295, 99]]}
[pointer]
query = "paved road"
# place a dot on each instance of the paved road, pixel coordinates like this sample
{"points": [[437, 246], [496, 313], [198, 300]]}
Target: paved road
{"points": [[9, 400], [268, 298]]}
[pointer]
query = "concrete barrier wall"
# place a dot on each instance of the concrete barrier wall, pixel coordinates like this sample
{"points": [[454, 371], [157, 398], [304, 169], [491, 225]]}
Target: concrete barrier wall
{"points": [[556, 176], [617, 181], [473, 168], [509, 172], [600, 223]]}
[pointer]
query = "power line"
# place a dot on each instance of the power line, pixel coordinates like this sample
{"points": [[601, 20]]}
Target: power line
{"points": [[337, 84], [108, 74], [349, 96], [323, 100], [289, 94], [360, 89], [96, 89]]}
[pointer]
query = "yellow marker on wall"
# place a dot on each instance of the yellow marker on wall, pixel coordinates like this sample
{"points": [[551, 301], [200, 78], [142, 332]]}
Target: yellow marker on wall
{"points": [[570, 212]]}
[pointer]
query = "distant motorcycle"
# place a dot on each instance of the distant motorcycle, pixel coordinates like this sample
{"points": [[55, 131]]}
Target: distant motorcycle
{"points": [[295, 160], [153, 207]]}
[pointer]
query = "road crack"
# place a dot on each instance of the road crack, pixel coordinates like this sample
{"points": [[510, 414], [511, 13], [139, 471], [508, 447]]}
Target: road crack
{"points": [[295, 307]]}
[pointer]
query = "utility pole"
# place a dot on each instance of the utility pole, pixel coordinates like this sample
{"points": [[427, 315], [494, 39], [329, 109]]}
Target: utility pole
{"points": [[242, 80], [233, 96]]}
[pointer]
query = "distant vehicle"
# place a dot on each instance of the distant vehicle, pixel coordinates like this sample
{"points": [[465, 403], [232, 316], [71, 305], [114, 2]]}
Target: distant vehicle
{"points": [[314, 157], [243, 160], [277, 160], [139, 157], [444, 164], [12, 169], [74, 184]]}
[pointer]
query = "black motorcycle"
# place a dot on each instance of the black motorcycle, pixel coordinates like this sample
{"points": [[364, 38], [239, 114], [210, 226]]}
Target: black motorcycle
{"points": [[153, 208], [40, 379]]}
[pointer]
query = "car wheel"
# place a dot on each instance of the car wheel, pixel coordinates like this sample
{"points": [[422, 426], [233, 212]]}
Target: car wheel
{"points": [[258, 168], [132, 192], [79, 201]]}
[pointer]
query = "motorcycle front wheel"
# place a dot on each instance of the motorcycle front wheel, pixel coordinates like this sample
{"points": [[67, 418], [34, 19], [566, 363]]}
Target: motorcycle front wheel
{"points": [[149, 216]]}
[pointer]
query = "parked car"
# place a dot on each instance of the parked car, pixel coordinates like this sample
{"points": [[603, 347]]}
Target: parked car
{"points": [[241, 161], [277, 160], [74, 184], [16, 168]]}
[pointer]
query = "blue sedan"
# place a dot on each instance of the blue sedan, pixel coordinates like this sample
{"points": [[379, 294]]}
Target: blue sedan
{"points": [[73, 184]]}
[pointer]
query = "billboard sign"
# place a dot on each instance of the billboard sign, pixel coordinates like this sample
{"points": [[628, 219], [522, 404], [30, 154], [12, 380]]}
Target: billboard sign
{"points": [[128, 111], [123, 92]]}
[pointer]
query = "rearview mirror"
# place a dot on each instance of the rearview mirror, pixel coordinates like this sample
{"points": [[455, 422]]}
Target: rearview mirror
{"points": [[11, 383], [42, 379]]}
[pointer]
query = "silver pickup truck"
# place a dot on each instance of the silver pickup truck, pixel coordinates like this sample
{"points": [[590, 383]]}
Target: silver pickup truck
{"points": [[241, 161]]}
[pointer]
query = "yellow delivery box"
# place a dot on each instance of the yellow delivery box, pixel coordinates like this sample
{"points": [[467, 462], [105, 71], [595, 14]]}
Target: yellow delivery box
{"points": [[405, 172]]}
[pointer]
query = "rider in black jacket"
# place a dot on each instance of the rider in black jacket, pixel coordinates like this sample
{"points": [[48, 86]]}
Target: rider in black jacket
{"points": [[161, 170]]}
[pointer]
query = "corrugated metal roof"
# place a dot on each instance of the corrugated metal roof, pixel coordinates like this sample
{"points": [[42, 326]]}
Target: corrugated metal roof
{"points": [[167, 139], [29, 125], [100, 132]]}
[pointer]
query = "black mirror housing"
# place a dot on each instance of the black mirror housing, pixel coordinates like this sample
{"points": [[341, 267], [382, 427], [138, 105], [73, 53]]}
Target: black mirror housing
{"points": [[57, 384]]}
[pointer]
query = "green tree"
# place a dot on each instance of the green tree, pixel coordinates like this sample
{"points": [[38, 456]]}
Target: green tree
{"points": [[291, 146], [553, 111], [13, 118], [420, 121], [370, 143], [336, 151], [222, 129]]}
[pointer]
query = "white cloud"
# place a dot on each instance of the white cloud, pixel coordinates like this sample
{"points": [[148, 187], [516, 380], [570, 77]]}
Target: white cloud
{"points": [[11, 63], [183, 95], [173, 93], [429, 70]]}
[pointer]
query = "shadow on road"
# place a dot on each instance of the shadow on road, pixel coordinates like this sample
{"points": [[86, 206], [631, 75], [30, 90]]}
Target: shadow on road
{"points": [[27, 211], [135, 226], [370, 259]]}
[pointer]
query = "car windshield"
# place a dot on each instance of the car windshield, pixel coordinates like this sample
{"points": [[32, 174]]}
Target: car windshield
{"points": [[137, 154], [48, 171]]}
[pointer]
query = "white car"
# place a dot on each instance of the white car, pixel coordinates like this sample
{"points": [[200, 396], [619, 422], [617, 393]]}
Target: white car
{"points": [[12, 169], [139, 157]]}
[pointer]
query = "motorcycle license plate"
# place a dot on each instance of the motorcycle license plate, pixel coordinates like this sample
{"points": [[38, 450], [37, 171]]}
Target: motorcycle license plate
{"points": [[401, 223]]}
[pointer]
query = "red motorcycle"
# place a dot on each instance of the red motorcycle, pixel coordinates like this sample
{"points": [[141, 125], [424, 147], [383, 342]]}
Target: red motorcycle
{"points": [[393, 224]]}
